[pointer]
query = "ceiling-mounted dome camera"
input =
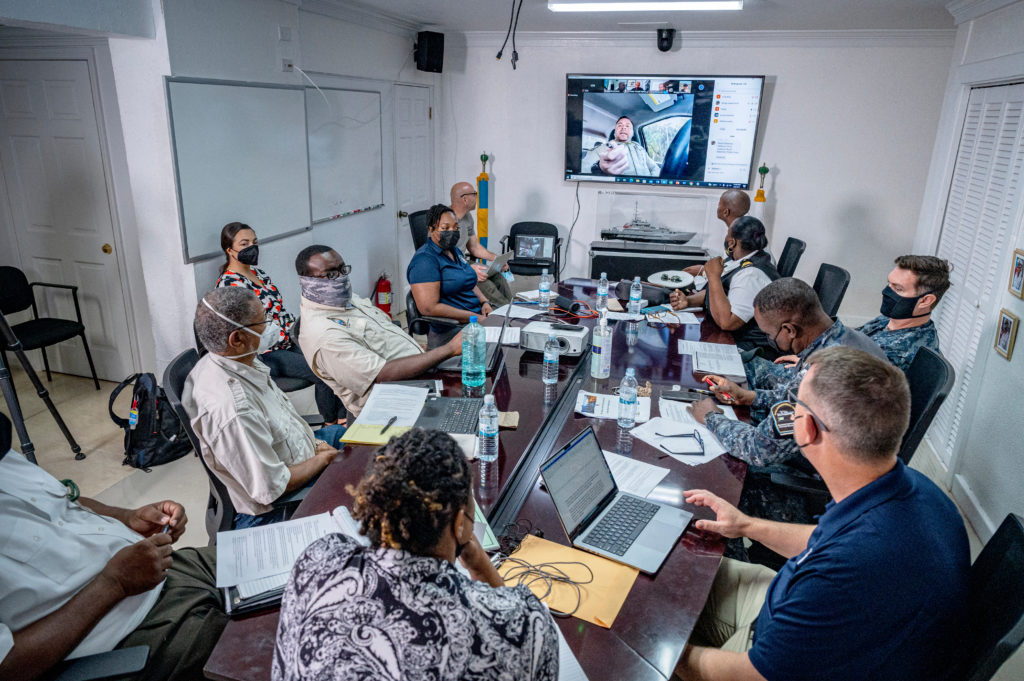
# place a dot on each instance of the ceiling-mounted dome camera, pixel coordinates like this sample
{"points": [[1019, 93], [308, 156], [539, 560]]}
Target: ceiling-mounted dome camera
{"points": [[666, 36]]}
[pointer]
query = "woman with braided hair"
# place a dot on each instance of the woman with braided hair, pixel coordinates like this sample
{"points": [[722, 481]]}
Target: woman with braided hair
{"points": [[399, 609]]}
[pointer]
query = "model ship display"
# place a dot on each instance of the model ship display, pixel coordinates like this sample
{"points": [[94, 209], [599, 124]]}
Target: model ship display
{"points": [[639, 229]]}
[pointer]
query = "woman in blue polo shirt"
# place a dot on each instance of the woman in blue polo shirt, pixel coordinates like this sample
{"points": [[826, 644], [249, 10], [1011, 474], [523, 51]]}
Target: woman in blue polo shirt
{"points": [[443, 283]]}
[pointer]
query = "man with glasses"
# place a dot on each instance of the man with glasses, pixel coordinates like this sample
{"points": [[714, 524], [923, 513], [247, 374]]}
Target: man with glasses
{"points": [[878, 590], [347, 341], [496, 286], [250, 434]]}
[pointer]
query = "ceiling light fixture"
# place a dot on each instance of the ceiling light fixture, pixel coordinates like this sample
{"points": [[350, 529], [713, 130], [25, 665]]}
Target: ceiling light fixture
{"points": [[642, 5]]}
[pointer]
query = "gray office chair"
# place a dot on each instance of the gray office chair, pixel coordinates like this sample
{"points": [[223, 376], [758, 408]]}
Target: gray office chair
{"points": [[830, 285], [533, 269], [790, 257]]}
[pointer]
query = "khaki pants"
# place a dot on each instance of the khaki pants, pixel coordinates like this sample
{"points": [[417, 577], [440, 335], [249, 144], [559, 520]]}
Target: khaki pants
{"points": [[736, 597], [497, 290]]}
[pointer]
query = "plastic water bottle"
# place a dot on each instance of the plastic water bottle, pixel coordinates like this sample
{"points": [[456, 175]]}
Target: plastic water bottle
{"points": [[636, 291], [601, 349], [602, 292], [487, 433], [544, 300], [552, 349], [628, 399], [474, 354]]}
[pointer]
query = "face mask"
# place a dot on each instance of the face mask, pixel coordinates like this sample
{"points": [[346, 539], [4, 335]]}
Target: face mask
{"points": [[250, 255], [447, 240], [895, 306], [330, 292], [268, 339], [774, 345]]}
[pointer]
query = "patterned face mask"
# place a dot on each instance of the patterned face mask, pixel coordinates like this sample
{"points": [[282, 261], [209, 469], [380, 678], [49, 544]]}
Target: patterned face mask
{"points": [[331, 292]]}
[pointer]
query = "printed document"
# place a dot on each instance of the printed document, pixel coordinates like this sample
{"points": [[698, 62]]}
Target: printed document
{"points": [[632, 476], [600, 406], [510, 337], [387, 400], [658, 433], [714, 358], [517, 311]]}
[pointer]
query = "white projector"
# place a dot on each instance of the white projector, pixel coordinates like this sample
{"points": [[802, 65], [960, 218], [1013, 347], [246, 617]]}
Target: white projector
{"points": [[572, 339]]}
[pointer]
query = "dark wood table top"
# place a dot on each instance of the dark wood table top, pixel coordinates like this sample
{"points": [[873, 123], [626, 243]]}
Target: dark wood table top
{"points": [[651, 629]]}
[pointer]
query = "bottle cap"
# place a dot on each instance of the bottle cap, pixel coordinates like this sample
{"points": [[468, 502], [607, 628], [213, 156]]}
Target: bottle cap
{"points": [[472, 320], [631, 371], [551, 335], [543, 271], [604, 275], [488, 399], [636, 278]]}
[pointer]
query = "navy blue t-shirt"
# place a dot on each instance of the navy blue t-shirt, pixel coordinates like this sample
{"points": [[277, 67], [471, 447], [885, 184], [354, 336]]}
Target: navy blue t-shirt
{"points": [[880, 592], [457, 278]]}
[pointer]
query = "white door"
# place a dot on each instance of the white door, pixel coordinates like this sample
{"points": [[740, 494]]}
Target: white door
{"points": [[414, 182], [55, 179]]}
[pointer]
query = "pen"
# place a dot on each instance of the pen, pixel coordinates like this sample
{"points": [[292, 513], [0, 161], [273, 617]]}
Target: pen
{"points": [[707, 379], [167, 528], [390, 423]]}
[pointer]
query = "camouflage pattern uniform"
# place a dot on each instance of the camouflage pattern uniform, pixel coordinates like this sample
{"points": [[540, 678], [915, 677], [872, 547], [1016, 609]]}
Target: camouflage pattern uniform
{"points": [[900, 345]]}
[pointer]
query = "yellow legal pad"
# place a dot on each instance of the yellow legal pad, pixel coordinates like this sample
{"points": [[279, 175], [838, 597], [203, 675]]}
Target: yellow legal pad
{"points": [[369, 434], [601, 600]]}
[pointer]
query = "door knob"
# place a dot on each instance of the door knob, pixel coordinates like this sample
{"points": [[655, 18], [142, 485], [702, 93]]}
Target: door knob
{"points": [[107, 248], [402, 214]]}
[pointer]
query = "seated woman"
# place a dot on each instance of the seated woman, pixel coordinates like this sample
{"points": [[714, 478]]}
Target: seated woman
{"points": [[732, 284], [242, 252], [399, 609], [443, 283]]}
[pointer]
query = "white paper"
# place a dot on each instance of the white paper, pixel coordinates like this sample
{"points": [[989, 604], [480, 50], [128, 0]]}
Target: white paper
{"points": [[517, 311], [510, 337], [387, 400], [714, 358], [673, 317], [624, 316], [531, 296], [569, 668], [648, 432], [600, 406], [672, 410], [632, 476]]}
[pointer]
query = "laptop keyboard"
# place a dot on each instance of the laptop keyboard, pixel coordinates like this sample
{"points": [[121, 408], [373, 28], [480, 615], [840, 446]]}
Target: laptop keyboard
{"points": [[623, 523], [461, 414]]}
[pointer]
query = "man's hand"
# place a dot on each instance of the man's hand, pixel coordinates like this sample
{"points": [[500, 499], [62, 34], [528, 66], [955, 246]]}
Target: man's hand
{"points": [[729, 521], [325, 451], [486, 309], [713, 268], [455, 345], [614, 160], [481, 271], [722, 386], [677, 299], [152, 518], [701, 409], [139, 567], [789, 360]]}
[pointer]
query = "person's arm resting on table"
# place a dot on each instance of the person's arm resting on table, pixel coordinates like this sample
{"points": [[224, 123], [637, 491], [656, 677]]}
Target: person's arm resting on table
{"points": [[132, 570], [357, 367]]}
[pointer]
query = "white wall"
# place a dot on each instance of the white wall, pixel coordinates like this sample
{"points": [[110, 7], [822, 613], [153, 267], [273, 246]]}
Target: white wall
{"points": [[118, 17], [848, 125]]}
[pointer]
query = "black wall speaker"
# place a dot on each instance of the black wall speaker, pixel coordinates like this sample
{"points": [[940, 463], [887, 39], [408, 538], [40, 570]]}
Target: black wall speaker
{"points": [[429, 51]]}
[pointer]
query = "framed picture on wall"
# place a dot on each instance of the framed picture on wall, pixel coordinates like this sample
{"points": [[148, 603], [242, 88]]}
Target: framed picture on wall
{"points": [[1017, 274], [1006, 333]]}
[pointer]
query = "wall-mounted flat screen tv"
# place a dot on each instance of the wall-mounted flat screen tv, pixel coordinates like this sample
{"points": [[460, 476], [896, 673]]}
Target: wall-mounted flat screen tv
{"points": [[680, 131]]}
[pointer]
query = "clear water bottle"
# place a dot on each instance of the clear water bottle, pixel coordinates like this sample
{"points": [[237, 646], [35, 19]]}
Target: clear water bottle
{"points": [[602, 292], [474, 354], [601, 349], [628, 399], [636, 292], [552, 349], [487, 433], [544, 300]]}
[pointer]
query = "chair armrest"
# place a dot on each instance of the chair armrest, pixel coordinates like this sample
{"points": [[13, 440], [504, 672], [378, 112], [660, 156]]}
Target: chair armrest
{"points": [[504, 243], [289, 498], [801, 483], [447, 321], [67, 287], [112, 664], [313, 419]]}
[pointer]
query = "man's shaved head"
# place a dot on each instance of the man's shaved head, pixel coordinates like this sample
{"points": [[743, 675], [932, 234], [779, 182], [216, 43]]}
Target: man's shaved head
{"points": [[459, 189], [463, 198], [737, 201]]}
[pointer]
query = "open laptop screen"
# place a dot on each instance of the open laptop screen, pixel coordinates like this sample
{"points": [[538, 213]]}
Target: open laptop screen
{"points": [[578, 479], [535, 247]]}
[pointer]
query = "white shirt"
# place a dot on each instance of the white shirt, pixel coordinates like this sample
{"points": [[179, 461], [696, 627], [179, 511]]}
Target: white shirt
{"points": [[744, 287], [50, 548], [249, 431]]}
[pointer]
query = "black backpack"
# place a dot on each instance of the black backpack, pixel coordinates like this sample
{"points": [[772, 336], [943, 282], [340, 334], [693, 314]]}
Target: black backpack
{"points": [[153, 435]]}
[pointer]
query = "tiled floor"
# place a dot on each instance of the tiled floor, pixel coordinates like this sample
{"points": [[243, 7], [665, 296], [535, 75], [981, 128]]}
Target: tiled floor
{"points": [[102, 476]]}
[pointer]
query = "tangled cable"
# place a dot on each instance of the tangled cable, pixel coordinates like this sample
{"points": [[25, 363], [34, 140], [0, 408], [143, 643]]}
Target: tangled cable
{"points": [[583, 312]]}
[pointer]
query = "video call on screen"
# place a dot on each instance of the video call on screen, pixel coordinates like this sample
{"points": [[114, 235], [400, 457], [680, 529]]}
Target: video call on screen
{"points": [[682, 131]]}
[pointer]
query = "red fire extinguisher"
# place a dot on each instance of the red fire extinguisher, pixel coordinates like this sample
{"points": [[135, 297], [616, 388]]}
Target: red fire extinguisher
{"points": [[382, 297]]}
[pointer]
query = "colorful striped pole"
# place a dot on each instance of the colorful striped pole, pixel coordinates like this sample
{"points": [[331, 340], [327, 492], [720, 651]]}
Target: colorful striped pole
{"points": [[482, 183]]}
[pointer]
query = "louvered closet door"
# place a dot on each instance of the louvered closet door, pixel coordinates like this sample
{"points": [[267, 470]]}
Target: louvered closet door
{"points": [[983, 199]]}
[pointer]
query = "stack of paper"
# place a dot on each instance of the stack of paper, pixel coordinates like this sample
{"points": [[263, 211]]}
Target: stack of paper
{"points": [[600, 406], [510, 337], [624, 316], [517, 311], [658, 433], [632, 476], [714, 358], [390, 410], [672, 317]]}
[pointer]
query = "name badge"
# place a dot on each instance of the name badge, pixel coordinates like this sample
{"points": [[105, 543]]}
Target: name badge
{"points": [[782, 418]]}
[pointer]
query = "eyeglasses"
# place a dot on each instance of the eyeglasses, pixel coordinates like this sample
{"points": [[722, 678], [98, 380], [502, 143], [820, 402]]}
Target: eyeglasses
{"points": [[695, 435], [791, 396], [341, 270], [663, 317]]}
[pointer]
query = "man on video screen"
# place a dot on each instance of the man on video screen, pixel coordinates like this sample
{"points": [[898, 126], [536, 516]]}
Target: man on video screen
{"points": [[621, 154]]}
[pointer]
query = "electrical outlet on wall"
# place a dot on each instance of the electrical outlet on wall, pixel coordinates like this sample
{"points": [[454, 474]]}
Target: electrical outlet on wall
{"points": [[287, 65]]}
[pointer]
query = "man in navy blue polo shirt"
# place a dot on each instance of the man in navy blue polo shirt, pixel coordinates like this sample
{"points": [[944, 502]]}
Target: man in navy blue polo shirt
{"points": [[878, 589]]}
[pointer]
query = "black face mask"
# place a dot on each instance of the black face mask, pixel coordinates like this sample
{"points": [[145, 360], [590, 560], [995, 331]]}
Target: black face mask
{"points": [[895, 306], [775, 346], [250, 255], [448, 239]]}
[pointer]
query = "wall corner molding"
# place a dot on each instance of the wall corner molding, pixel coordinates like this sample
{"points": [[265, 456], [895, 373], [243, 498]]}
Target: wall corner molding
{"points": [[358, 14], [968, 10]]}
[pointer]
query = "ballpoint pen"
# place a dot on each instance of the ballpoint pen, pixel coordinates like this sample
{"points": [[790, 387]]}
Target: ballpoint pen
{"points": [[707, 379], [390, 423]]}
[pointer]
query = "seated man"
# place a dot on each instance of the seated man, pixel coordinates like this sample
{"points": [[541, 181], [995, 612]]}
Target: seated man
{"points": [[78, 577], [732, 205], [878, 590], [622, 154], [250, 434], [495, 287], [731, 285], [350, 343]]}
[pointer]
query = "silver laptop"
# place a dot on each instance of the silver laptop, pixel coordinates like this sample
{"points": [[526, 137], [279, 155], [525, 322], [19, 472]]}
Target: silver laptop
{"points": [[599, 518]]}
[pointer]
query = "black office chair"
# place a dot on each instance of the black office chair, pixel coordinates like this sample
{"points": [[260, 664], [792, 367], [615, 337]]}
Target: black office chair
{"points": [[533, 269], [420, 324], [418, 227], [995, 626], [790, 257], [16, 295], [830, 285], [289, 384]]}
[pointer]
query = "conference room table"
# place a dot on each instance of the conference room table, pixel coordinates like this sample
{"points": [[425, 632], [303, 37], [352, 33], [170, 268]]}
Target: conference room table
{"points": [[649, 634]]}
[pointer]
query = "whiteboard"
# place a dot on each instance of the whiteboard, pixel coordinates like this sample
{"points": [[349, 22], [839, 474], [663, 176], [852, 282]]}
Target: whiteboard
{"points": [[240, 155], [345, 157]]}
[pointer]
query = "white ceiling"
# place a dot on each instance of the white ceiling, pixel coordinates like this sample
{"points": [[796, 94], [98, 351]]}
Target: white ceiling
{"points": [[493, 15]]}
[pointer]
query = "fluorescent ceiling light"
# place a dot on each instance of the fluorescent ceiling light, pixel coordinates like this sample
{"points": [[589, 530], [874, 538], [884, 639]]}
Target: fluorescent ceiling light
{"points": [[642, 5]]}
